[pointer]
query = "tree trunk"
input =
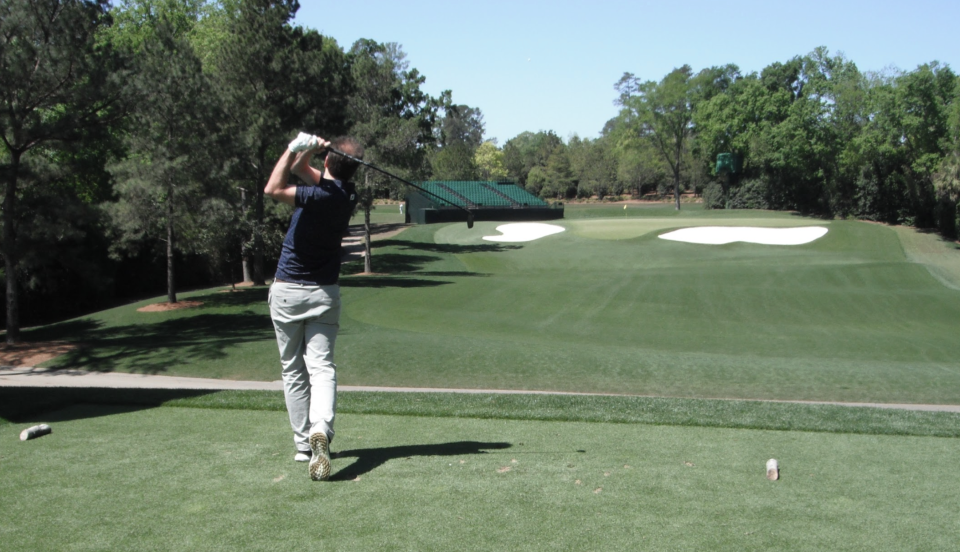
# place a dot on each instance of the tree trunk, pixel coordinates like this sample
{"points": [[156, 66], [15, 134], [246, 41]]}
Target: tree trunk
{"points": [[11, 260], [676, 172], [367, 258], [245, 260], [258, 276], [171, 281], [247, 267], [676, 190]]}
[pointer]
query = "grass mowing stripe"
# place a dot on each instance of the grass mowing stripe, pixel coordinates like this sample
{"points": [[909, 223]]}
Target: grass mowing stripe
{"points": [[658, 411], [111, 478], [847, 318], [29, 404]]}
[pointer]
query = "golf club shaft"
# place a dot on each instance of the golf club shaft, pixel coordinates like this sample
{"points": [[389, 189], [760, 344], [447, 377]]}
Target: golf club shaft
{"points": [[405, 181]]}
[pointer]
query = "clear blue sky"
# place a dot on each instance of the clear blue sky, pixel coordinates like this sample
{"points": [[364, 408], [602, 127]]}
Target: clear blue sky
{"points": [[551, 65]]}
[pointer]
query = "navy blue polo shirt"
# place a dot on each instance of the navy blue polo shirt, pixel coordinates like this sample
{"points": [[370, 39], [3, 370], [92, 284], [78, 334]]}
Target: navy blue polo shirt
{"points": [[311, 251]]}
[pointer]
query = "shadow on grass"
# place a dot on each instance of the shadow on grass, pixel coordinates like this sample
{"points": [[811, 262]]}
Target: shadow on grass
{"points": [[242, 297], [371, 459], [448, 248], [53, 404], [398, 263], [360, 281], [413, 263], [151, 348]]}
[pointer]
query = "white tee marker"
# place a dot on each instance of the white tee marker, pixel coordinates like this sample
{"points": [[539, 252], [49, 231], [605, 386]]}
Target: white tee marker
{"points": [[773, 469], [718, 235]]}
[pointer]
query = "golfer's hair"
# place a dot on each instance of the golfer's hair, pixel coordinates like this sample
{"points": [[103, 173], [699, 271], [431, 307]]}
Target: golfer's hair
{"points": [[340, 167]]}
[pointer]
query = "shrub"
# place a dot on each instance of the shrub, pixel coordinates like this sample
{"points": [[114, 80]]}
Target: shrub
{"points": [[752, 193], [713, 196], [946, 213]]}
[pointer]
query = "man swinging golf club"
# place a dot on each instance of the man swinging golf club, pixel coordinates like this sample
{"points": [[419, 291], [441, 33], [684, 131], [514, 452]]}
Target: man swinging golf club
{"points": [[304, 298]]}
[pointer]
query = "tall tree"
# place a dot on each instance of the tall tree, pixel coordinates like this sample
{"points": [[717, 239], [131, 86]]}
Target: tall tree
{"points": [[788, 125], [55, 87], [946, 179], [903, 144], [170, 166], [661, 113], [454, 162], [391, 116], [489, 161], [273, 80], [460, 124], [528, 150], [556, 178], [459, 135], [594, 167]]}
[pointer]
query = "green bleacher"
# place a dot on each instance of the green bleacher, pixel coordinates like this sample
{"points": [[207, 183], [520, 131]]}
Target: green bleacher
{"points": [[440, 192], [518, 194], [483, 193], [478, 194], [441, 201]]}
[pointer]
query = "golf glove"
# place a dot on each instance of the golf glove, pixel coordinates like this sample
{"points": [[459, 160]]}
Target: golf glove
{"points": [[303, 142]]}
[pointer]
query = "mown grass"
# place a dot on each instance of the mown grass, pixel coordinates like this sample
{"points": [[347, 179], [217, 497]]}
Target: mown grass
{"points": [[604, 307], [18, 404], [136, 478]]}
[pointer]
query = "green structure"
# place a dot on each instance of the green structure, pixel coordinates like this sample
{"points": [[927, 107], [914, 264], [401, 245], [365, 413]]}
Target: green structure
{"points": [[729, 163], [728, 169], [488, 200]]}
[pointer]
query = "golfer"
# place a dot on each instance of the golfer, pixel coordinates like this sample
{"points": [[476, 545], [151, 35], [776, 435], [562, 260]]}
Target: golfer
{"points": [[305, 296]]}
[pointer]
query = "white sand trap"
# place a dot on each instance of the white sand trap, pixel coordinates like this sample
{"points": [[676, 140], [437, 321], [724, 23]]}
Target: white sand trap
{"points": [[524, 232], [717, 235]]}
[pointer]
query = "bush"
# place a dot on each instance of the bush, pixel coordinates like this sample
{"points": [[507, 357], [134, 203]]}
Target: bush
{"points": [[752, 193], [946, 213], [713, 196]]}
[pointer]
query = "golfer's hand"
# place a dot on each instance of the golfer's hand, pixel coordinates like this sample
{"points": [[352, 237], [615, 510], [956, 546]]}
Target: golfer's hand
{"points": [[322, 145], [305, 142]]}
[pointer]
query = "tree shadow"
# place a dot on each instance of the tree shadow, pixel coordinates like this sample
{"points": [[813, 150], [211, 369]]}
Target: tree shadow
{"points": [[376, 228], [151, 348], [241, 297], [60, 404], [417, 256], [360, 281], [450, 248], [371, 459], [455, 274]]}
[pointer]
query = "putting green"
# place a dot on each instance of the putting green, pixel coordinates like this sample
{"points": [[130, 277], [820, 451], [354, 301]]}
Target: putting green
{"points": [[623, 229], [615, 229]]}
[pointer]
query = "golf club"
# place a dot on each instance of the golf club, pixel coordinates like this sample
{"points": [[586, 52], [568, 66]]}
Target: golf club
{"points": [[407, 182]]}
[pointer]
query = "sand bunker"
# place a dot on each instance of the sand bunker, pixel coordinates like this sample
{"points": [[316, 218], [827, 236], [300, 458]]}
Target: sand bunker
{"points": [[717, 235], [524, 232]]}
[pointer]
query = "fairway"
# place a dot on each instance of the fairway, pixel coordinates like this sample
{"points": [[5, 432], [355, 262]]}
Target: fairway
{"points": [[858, 315], [608, 307], [224, 479]]}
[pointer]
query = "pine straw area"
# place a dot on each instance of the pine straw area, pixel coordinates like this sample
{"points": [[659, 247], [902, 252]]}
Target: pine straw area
{"points": [[32, 354], [164, 307]]}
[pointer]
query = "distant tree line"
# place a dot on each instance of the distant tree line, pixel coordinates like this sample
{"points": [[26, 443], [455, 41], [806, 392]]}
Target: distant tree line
{"points": [[137, 137], [814, 135]]}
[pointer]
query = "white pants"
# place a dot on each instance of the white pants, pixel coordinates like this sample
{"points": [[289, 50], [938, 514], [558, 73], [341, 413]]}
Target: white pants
{"points": [[306, 320]]}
